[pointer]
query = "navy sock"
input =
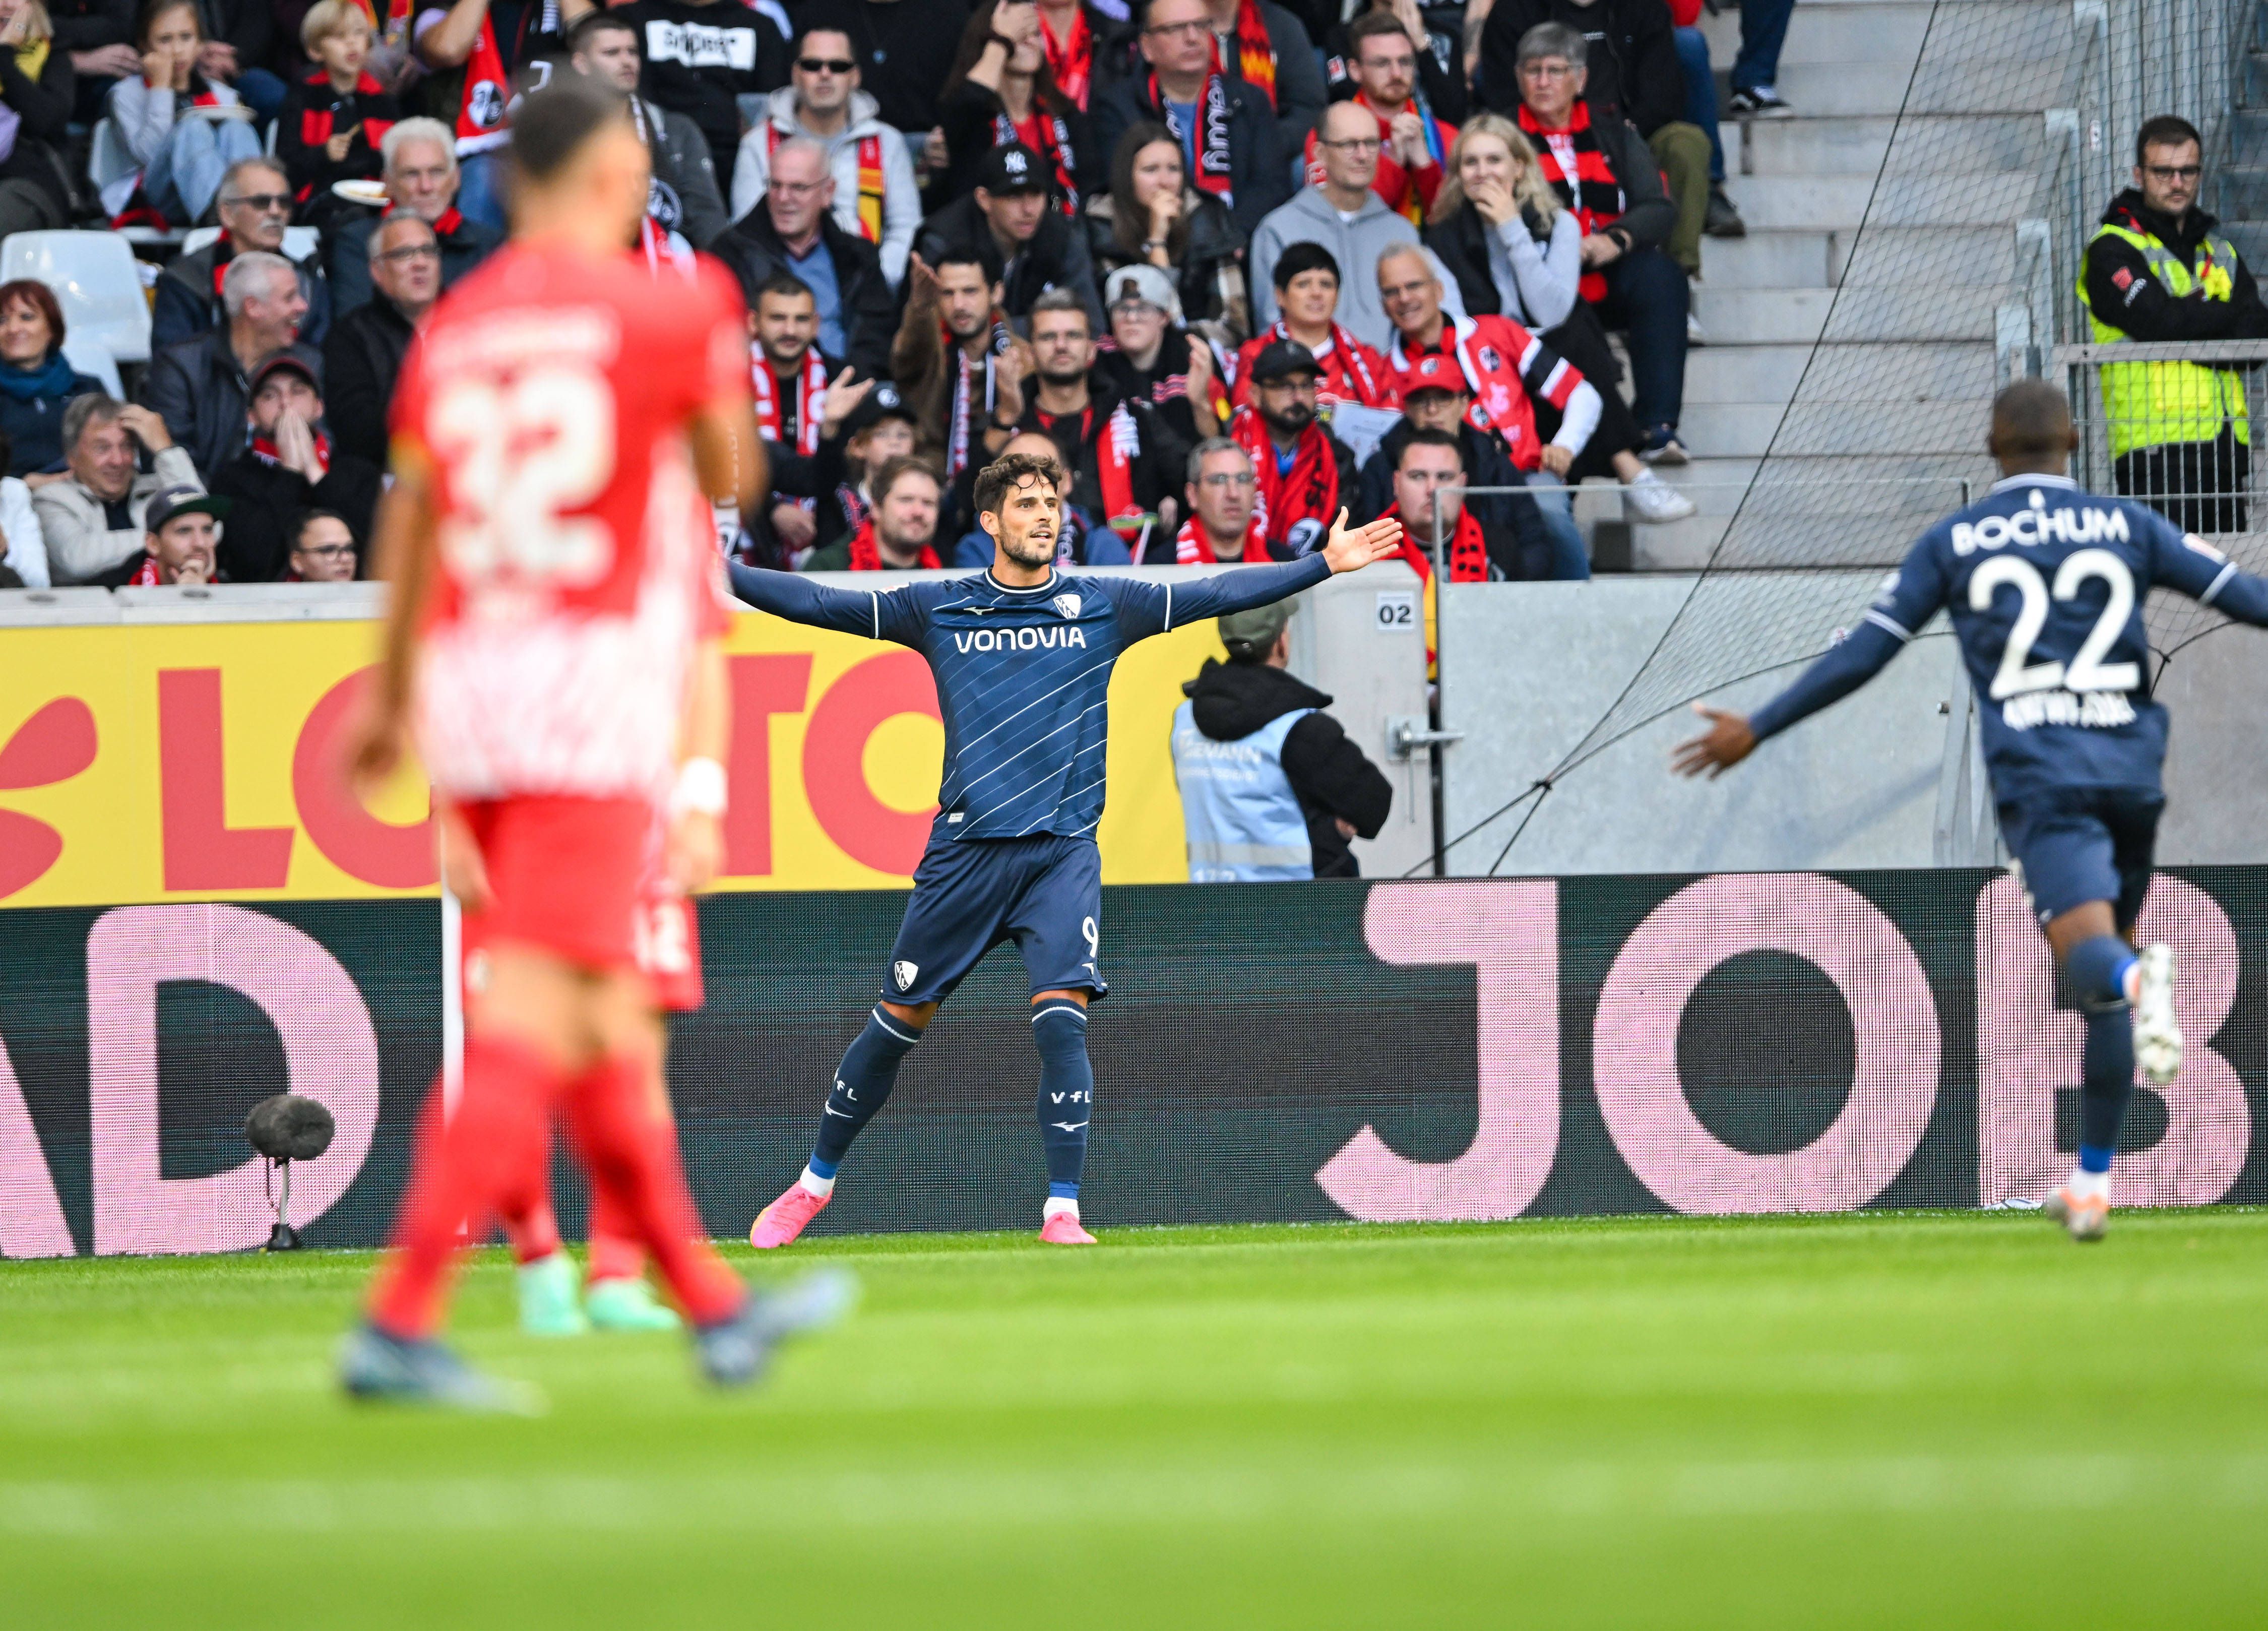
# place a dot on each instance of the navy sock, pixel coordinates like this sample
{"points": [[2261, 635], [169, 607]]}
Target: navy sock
{"points": [[1066, 1091], [2097, 969], [863, 1081]]}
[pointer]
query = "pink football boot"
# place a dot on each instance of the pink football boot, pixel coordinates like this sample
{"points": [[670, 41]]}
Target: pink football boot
{"points": [[780, 1223], [1065, 1229]]}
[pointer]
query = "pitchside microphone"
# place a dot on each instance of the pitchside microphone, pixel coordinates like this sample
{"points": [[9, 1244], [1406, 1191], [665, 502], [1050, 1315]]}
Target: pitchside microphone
{"points": [[285, 1129]]}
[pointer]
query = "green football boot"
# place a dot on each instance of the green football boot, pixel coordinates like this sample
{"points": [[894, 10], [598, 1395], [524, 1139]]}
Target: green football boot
{"points": [[548, 1304], [620, 1304]]}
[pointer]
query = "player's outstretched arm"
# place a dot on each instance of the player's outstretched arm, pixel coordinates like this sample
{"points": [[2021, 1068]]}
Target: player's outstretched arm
{"points": [[2187, 563], [1845, 667], [1241, 589], [874, 613]]}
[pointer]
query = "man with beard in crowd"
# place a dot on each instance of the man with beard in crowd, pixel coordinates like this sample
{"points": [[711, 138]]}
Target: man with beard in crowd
{"points": [[899, 535], [959, 367], [1306, 474]]}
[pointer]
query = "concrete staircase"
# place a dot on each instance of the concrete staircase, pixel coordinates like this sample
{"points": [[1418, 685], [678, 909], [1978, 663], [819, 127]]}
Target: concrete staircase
{"points": [[1862, 362]]}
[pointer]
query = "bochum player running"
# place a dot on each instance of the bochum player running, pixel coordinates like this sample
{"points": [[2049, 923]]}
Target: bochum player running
{"points": [[2045, 584], [1022, 656]]}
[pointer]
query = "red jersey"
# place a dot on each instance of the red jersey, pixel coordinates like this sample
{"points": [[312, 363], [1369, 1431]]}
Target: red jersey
{"points": [[579, 567]]}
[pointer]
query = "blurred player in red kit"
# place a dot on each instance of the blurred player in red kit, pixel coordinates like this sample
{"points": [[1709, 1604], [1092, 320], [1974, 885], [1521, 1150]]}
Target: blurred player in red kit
{"points": [[553, 643]]}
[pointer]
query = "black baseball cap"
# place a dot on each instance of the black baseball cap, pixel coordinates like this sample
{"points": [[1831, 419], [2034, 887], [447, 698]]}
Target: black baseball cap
{"points": [[186, 500], [884, 402], [1281, 359], [1013, 167], [281, 362]]}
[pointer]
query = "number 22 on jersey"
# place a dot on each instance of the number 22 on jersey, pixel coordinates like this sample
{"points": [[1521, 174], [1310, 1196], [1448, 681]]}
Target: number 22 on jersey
{"points": [[521, 452], [2087, 671]]}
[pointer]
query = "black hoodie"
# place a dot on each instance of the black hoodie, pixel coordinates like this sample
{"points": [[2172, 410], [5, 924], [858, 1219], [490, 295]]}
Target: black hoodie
{"points": [[1329, 773], [2139, 307]]}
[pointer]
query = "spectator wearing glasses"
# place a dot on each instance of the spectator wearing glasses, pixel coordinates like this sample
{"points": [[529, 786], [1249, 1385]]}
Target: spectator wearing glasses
{"points": [[1151, 216], [793, 231], [899, 46], [1632, 74], [683, 195], [335, 116], [1001, 89], [1602, 171], [1307, 476], [2156, 272], [183, 127], [323, 550], [1155, 359], [35, 86], [1413, 143], [714, 60], [877, 195], [36, 382], [1439, 56], [292, 466], [1342, 214], [255, 205], [202, 388], [1306, 279], [362, 355], [1512, 250], [1222, 496], [1011, 215], [1268, 48], [93, 519], [422, 177], [1230, 148], [1271, 788]]}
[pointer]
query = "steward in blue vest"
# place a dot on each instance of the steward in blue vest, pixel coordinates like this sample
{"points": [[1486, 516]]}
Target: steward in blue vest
{"points": [[1271, 788]]}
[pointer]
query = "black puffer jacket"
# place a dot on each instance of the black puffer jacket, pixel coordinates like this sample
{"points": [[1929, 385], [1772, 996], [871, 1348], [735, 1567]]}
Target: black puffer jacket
{"points": [[1332, 779]]}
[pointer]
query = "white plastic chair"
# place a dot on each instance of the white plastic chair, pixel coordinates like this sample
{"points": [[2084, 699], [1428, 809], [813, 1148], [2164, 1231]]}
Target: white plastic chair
{"points": [[92, 356], [299, 243], [95, 280]]}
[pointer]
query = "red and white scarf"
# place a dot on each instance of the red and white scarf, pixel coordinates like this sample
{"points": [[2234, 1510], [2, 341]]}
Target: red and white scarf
{"points": [[1047, 134], [960, 429], [810, 398], [1308, 492], [1070, 64], [265, 450], [1213, 170], [1193, 546], [1577, 168], [866, 554], [1348, 371], [1256, 53]]}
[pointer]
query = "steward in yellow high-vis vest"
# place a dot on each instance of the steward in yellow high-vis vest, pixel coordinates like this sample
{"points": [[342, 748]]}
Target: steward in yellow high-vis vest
{"points": [[2157, 272]]}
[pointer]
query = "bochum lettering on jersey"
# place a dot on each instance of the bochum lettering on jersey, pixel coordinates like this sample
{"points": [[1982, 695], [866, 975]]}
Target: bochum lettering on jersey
{"points": [[2037, 524]]}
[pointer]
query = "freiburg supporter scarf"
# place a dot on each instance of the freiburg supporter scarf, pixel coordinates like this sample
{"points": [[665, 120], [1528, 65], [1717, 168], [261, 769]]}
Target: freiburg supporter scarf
{"points": [[958, 420], [810, 398], [866, 555], [1309, 491], [1348, 370], [1193, 548], [1591, 191], [1046, 134], [264, 449], [1071, 63], [1256, 53], [1213, 174]]}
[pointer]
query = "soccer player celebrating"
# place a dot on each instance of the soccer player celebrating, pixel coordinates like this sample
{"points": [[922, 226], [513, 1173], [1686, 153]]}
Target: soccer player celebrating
{"points": [[1022, 654], [553, 637], [2046, 584]]}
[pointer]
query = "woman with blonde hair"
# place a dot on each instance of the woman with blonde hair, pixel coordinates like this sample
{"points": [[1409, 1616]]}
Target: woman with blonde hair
{"points": [[1499, 229]]}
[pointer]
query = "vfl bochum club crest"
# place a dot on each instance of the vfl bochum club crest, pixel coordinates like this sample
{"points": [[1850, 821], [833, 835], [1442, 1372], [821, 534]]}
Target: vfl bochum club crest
{"points": [[1068, 605], [905, 972]]}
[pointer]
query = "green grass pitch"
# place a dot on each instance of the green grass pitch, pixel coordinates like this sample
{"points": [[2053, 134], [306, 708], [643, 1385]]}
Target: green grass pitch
{"points": [[1875, 1420]]}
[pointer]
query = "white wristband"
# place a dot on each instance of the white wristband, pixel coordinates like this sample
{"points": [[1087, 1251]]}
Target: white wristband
{"points": [[700, 788]]}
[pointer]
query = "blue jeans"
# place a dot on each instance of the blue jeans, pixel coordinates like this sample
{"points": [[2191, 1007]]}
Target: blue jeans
{"points": [[1556, 503], [1701, 93], [1764, 27], [1646, 299], [186, 173], [480, 189]]}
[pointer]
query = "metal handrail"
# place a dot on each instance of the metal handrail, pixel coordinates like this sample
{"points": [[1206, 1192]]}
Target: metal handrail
{"points": [[2205, 353]]}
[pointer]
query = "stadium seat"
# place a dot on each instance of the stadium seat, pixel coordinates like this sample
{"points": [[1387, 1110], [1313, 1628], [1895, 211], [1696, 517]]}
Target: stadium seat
{"points": [[299, 243], [91, 356], [95, 277]]}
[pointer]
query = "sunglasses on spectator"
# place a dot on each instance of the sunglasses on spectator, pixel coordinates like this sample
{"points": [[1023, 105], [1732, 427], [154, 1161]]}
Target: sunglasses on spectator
{"points": [[825, 64], [1186, 30], [261, 202], [2174, 173]]}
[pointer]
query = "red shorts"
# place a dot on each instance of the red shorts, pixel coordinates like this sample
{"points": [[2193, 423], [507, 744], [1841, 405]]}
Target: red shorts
{"points": [[565, 874], [668, 942]]}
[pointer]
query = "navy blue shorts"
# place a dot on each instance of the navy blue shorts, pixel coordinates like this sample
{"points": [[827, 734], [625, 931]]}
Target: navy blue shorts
{"points": [[2084, 843], [1044, 892]]}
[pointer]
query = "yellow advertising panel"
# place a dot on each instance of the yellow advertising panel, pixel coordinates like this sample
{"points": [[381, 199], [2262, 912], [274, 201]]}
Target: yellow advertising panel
{"points": [[150, 763]]}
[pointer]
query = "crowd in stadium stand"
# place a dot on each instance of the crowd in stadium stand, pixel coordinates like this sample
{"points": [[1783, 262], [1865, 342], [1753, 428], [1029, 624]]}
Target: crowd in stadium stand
{"points": [[1172, 242]]}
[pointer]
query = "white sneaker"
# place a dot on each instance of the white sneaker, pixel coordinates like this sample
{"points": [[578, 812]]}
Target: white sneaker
{"points": [[2157, 1032], [1695, 333], [1650, 498], [2086, 1217]]}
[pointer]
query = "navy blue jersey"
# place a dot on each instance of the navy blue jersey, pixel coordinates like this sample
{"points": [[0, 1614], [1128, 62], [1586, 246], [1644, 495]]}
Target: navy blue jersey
{"points": [[1023, 676], [2045, 584]]}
